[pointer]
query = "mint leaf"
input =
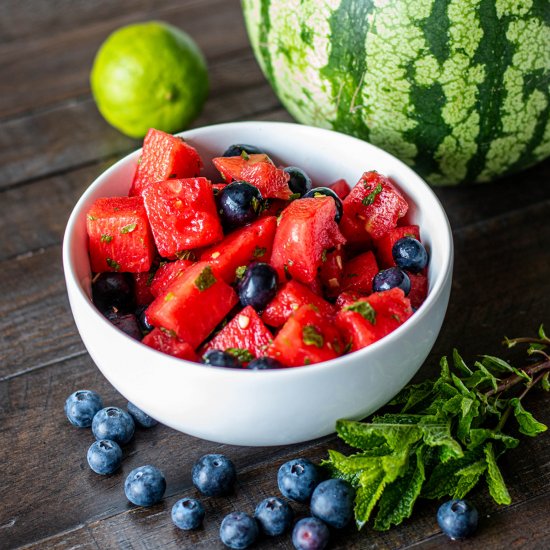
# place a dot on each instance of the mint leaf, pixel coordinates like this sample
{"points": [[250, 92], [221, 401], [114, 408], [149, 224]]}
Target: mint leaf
{"points": [[459, 363], [206, 279], [528, 425], [259, 252], [186, 255], [106, 238], [437, 433], [312, 337], [397, 501], [467, 478], [541, 333], [358, 435], [478, 436], [371, 487], [113, 264], [128, 228], [495, 481], [369, 199], [413, 395], [364, 309], [545, 383], [243, 355]]}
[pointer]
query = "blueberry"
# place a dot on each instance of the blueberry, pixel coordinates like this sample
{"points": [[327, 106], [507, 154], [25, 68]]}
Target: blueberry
{"points": [[310, 534], [393, 277], [219, 358], [297, 479], [143, 419], [143, 322], [326, 192], [264, 363], [410, 254], [457, 518], [145, 486], [126, 322], [188, 513], [258, 285], [214, 475], [299, 181], [239, 203], [332, 501], [113, 291], [81, 407], [237, 149], [104, 456], [238, 530], [114, 424], [274, 516]]}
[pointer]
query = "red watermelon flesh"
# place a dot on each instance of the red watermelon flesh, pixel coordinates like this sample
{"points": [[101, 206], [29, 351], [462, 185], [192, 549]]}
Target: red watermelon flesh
{"points": [[419, 289], [341, 188], [359, 273], [164, 156], [120, 238], [331, 272], [166, 273], [182, 214], [142, 288], [162, 341]]}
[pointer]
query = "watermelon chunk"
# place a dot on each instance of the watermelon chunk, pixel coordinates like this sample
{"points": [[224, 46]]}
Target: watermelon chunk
{"points": [[164, 156], [192, 306], [166, 273], [253, 242], [258, 170], [307, 337], [182, 214], [341, 188], [346, 299], [120, 238], [142, 288], [375, 202], [419, 289], [245, 335], [370, 319], [331, 272], [385, 243], [359, 273], [162, 341], [306, 229], [289, 298]]}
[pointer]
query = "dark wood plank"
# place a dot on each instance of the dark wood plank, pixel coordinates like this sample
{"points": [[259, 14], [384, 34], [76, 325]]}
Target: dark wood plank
{"points": [[61, 60]]}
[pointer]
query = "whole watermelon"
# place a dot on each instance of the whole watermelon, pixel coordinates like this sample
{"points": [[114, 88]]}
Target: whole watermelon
{"points": [[458, 89]]}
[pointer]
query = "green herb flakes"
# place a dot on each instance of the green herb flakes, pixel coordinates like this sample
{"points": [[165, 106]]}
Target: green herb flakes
{"points": [[259, 252], [364, 309], [312, 337], [186, 255], [113, 264], [128, 228], [106, 238], [169, 296], [243, 355], [245, 155], [240, 271], [206, 279], [91, 218], [369, 199]]}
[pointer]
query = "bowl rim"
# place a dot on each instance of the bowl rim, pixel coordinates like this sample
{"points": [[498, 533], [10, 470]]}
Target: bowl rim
{"points": [[438, 287]]}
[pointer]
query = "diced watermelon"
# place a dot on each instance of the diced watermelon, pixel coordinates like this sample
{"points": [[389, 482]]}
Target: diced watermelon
{"points": [[253, 242], [258, 170], [377, 203], [193, 304], [419, 289], [162, 341], [306, 228], [166, 273], [289, 298], [244, 333], [385, 243], [182, 214], [346, 299], [353, 229], [273, 207], [120, 238], [359, 273], [163, 157], [307, 337], [371, 318], [331, 272], [341, 188], [142, 288]]}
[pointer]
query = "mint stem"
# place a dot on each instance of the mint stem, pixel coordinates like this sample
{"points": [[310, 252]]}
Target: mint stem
{"points": [[511, 381]]}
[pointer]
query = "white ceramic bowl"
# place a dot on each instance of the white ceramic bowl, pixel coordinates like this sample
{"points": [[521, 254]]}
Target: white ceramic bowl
{"points": [[283, 406]]}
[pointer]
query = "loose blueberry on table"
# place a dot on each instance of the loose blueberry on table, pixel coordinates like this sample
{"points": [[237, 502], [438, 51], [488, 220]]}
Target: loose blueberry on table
{"points": [[238, 530], [214, 475], [141, 418], [310, 534], [332, 502], [114, 424], [81, 407], [145, 486], [297, 479], [274, 516], [457, 519], [180, 259], [104, 456], [188, 514]]}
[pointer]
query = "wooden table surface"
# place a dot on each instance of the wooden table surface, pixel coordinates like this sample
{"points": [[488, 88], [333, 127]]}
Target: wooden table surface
{"points": [[53, 143]]}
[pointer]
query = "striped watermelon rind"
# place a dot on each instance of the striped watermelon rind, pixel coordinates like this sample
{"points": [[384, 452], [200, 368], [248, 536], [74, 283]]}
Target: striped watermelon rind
{"points": [[458, 89]]}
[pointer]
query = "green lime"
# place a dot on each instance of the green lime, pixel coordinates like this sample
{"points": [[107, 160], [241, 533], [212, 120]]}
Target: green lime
{"points": [[149, 75]]}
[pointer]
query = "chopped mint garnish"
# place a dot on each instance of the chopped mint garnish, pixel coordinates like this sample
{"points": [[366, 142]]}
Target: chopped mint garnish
{"points": [[91, 218], [312, 337], [369, 199], [169, 296], [186, 255], [294, 196], [168, 331], [239, 272], [128, 228], [243, 355], [113, 264], [245, 155], [364, 309], [259, 252], [206, 279], [106, 238]]}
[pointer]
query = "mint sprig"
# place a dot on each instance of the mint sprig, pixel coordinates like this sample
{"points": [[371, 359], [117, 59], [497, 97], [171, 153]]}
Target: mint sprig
{"points": [[442, 437]]}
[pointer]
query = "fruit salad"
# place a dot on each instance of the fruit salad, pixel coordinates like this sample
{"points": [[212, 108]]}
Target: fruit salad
{"points": [[261, 268]]}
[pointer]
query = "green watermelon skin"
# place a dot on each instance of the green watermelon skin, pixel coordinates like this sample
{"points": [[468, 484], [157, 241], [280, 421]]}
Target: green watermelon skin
{"points": [[458, 89]]}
